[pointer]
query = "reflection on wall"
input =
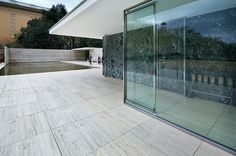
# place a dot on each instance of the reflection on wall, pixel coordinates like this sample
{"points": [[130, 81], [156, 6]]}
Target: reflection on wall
{"points": [[208, 58], [196, 72], [140, 56], [170, 56], [211, 56]]}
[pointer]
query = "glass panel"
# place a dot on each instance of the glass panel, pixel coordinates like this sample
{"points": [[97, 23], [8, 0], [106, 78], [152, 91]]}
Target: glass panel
{"points": [[195, 62], [170, 64], [211, 73], [196, 65], [140, 57]]}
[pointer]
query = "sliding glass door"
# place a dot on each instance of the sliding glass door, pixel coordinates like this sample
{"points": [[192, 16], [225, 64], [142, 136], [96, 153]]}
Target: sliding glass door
{"points": [[140, 56]]}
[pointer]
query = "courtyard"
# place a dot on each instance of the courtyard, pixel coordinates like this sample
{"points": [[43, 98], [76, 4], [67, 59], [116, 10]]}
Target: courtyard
{"points": [[81, 112]]}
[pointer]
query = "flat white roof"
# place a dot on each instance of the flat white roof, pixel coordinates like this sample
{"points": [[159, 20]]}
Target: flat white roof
{"points": [[85, 48], [94, 19]]}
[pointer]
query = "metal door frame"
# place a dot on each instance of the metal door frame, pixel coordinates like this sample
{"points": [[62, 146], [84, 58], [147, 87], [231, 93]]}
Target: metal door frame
{"points": [[132, 9]]}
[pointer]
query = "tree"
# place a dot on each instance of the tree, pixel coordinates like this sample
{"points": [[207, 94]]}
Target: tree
{"points": [[54, 14], [36, 34]]}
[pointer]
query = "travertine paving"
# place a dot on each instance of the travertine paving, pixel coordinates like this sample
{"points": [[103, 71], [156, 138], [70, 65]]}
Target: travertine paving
{"points": [[74, 113]]}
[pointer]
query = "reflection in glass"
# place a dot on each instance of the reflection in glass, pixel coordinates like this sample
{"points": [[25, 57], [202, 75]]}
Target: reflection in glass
{"points": [[170, 56], [195, 65], [197, 72], [210, 71], [140, 57]]}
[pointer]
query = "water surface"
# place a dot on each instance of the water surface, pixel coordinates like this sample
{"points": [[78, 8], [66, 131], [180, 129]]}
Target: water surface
{"points": [[27, 68]]}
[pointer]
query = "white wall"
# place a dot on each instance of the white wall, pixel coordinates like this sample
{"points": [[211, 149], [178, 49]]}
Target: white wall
{"points": [[95, 53]]}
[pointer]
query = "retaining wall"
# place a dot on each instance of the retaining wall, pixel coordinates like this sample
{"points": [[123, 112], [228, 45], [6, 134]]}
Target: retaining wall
{"points": [[6, 55], [43, 55]]}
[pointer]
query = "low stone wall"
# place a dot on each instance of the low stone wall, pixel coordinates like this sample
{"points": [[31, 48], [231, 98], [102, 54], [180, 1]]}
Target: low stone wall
{"points": [[113, 56], [43, 55]]}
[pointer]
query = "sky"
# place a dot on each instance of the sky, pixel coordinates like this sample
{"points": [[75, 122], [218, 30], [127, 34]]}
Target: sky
{"points": [[70, 4]]}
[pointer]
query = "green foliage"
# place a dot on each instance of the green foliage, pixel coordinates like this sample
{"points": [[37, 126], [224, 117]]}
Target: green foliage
{"points": [[54, 14], [36, 34], [198, 46]]}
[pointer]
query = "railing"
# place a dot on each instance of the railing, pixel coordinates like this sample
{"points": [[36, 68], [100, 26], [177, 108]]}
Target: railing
{"points": [[218, 87]]}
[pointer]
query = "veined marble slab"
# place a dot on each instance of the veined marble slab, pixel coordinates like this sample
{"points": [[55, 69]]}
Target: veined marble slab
{"points": [[84, 111], [128, 145], [13, 112], [3, 80], [22, 128], [208, 150], [16, 100], [41, 145], [167, 139]]}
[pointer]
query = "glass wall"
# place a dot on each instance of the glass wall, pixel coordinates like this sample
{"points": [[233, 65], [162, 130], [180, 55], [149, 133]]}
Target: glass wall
{"points": [[140, 64], [182, 68]]}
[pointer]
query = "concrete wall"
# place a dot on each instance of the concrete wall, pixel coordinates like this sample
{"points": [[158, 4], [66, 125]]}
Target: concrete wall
{"points": [[43, 55], [6, 55]]}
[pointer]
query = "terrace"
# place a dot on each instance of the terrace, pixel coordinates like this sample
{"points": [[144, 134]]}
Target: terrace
{"points": [[71, 113], [166, 84]]}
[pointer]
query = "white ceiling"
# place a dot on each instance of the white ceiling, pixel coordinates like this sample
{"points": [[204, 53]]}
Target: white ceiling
{"points": [[94, 19]]}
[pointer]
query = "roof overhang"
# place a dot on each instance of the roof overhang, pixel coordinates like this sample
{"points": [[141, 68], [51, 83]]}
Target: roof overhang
{"points": [[85, 48], [94, 19]]}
